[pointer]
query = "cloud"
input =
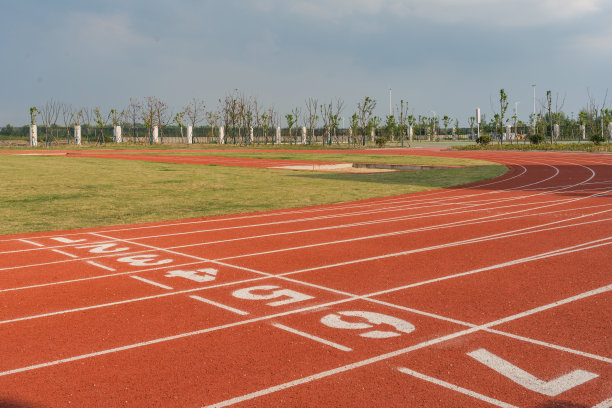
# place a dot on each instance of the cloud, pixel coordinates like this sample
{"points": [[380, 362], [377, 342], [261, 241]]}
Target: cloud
{"points": [[484, 12]]}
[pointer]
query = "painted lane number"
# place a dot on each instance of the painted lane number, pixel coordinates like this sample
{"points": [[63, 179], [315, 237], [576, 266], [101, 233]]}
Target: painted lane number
{"points": [[369, 320], [269, 292]]}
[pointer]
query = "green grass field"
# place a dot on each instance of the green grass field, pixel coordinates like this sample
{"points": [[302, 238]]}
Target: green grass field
{"points": [[51, 193]]}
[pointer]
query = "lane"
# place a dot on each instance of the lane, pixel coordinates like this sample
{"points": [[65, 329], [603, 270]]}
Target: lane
{"points": [[182, 333]]}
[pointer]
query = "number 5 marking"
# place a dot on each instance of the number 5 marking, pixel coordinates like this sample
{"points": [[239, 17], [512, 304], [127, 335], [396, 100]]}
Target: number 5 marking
{"points": [[372, 318], [293, 296]]}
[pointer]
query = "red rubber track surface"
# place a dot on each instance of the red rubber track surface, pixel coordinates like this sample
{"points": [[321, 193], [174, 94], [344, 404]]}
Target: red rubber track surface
{"points": [[494, 294]]}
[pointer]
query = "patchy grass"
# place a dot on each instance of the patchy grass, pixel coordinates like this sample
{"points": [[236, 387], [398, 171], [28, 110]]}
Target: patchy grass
{"points": [[51, 193]]}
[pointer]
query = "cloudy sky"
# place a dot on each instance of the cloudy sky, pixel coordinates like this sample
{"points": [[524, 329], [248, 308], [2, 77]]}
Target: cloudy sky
{"points": [[443, 56]]}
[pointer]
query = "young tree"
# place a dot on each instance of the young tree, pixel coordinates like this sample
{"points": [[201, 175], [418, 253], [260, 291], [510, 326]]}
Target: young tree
{"points": [[212, 118], [33, 113], [178, 118], [67, 116], [50, 113], [312, 106], [147, 114], [87, 118], [365, 109], [503, 106], [131, 115], [163, 116], [101, 121], [390, 126], [290, 122], [194, 111]]}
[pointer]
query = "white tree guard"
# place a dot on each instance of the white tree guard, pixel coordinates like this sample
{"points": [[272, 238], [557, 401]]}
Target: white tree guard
{"points": [[410, 133], [118, 136], [221, 135], [303, 134], [251, 135], [155, 134], [582, 132], [557, 131], [278, 135], [33, 135], [189, 134], [77, 135], [508, 132]]}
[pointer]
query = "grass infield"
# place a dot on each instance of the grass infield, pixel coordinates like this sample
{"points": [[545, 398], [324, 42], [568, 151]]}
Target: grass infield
{"points": [[40, 193]]}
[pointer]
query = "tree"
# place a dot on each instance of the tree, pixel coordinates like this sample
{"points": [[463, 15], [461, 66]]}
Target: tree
{"points": [[50, 113], [147, 114], [178, 118], [195, 111], [67, 116], [312, 105], [446, 120], [365, 109], [33, 113], [390, 126], [290, 122], [101, 121], [503, 106], [163, 116], [131, 115], [213, 117]]}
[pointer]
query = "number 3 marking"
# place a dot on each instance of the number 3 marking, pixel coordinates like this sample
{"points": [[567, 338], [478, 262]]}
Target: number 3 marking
{"points": [[372, 318]]}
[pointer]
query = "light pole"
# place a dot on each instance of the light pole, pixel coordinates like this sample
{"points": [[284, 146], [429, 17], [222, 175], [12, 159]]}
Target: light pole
{"points": [[390, 105]]}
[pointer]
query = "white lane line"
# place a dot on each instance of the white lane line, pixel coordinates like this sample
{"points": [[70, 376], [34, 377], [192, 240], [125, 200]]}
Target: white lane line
{"points": [[150, 282], [604, 404], [222, 306], [30, 242], [312, 337], [64, 253], [108, 268], [550, 345], [453, 387], [373, 360], [338, 370]]}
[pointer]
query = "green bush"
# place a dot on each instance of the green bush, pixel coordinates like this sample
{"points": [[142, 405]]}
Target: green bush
{"points": [[536, 139], [484, 140], [597, 138], [381, 141]]}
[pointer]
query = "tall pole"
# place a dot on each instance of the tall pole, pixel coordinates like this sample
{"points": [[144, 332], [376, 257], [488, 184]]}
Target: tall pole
{"points": [[516, 121], [390, 105], [534, 109]]}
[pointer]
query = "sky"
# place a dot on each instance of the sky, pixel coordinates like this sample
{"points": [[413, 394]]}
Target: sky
{"points": [[443, 57]]}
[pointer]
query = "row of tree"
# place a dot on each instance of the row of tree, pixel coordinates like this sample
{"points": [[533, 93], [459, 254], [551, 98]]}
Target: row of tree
{"points": [[238, 113]]}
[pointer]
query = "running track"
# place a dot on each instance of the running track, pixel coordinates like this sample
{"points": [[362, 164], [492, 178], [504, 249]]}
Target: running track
{"points": [[494, 294]]}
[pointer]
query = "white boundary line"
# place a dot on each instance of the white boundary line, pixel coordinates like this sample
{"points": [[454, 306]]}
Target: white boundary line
{"points": [[311, 337], [456, 388], [222, 306], [150, 282], [108, 268], [64, 253], [30, 242]]}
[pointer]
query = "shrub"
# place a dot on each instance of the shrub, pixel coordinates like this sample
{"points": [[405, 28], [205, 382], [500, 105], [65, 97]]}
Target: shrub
{"points": [[536, 139], [484, 140], [381, 141], [597, 138]]}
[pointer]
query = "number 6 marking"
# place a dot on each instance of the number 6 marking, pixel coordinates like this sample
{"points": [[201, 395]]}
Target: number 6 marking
{"points": [[291, 294], [335, 321]]}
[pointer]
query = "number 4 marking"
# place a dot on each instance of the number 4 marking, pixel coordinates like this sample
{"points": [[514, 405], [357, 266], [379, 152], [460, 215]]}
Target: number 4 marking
{"points": [[550, 388]]}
